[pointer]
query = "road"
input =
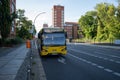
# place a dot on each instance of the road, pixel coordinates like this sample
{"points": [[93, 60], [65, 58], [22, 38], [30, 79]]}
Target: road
{"points": [[84, 62]]}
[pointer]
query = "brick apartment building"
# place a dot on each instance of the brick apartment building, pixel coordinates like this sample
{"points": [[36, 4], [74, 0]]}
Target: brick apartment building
{"points": [[72, 29], [45, 25], [12, 28], [58, 16]]}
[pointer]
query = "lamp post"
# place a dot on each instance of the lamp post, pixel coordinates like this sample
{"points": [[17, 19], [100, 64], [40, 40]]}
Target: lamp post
{"points": [[33, 25], [37, 16]]}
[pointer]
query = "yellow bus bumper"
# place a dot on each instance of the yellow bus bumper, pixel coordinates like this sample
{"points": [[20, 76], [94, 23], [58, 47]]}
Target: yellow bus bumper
{"points": [[53, 50]]}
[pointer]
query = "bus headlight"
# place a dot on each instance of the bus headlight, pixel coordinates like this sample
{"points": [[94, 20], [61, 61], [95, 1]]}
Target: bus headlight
{"points": [[64, 49], [44, 50]]}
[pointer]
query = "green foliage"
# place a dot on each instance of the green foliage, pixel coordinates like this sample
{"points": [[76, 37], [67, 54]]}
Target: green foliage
{"points": [[102, 24], [11, 42], [88, 25], [16, 40], [23, 33], [23, 25]]}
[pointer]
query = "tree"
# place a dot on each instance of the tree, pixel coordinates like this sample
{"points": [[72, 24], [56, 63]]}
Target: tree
{"points": [[88, 24], [23, 25], [103, 23], [106, 21]]}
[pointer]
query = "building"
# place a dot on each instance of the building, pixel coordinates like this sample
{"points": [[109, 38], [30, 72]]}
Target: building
{"points": [[72, 29], [13, 26], [45, 25], [58, 16]]}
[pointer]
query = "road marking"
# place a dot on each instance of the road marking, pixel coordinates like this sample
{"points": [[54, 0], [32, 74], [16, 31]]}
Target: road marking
{"points": [[118, 62], [61, 60], [108, 70], [100, 57], [96, 65], [101, 67], [117, 74], [88, 62], [112, 60], [107, 55], [84, 60], [107, 59]]}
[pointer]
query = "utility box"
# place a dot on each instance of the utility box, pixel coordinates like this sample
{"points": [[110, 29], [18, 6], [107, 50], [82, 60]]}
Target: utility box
{"points": [[28, 44]]}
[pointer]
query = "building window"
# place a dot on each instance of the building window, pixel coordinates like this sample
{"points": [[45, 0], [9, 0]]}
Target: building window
{"points": [[12, 27]]}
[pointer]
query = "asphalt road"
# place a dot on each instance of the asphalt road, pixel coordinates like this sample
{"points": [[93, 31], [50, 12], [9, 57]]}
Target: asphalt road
{"points": [[84, 62]]}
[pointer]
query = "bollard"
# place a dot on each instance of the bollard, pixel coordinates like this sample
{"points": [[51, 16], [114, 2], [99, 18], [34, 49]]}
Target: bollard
{"points": [[28, 44]]}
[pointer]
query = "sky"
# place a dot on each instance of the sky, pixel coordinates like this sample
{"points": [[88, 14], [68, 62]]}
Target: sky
{"points": [[73, 9]]}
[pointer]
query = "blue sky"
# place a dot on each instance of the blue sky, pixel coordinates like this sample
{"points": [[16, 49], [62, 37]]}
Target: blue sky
{"points": [[73, 9]]}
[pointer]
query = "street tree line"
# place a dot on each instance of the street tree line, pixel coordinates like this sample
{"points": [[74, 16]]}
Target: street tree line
{"points": [[101, 24], [23, 25]]}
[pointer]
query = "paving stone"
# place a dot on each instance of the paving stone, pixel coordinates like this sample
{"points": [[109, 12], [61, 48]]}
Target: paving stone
{"points": [[7, 77]]}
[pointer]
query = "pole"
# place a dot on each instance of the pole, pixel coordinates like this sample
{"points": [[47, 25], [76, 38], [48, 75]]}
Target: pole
{"points": [[37, 16], [33, 25]]}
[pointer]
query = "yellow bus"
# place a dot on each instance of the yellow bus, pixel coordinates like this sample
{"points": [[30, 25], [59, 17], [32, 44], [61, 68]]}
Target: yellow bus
{"points": [[52, 41]]}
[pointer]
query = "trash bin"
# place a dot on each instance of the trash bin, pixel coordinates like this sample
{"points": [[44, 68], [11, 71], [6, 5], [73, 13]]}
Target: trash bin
{"points": [[28, 44]]}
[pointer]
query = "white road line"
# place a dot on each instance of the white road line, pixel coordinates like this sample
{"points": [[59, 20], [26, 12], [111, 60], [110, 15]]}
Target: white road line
{"points": [[89, 62], [117, 74], [76, 57], [108, 70], [84, 60], [107, 55], [105, 58], [101, 67], [61, 60], [112, 60], [100, 57], [118, 62], [96, 65]]}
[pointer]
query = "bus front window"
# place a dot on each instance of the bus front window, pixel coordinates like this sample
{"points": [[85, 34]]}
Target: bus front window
{"points": [[51, 39]]}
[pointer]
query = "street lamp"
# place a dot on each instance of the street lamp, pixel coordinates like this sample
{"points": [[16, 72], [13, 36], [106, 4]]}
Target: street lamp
{"points": [[37, 16], [33, 25]]}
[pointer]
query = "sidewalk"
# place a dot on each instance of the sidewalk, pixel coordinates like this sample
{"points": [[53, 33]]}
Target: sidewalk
{"points": [[11, 63], [6, 50], [37, 70]]}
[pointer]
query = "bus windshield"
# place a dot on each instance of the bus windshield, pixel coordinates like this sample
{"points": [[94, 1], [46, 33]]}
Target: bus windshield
{"points": [[50, 39]]}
